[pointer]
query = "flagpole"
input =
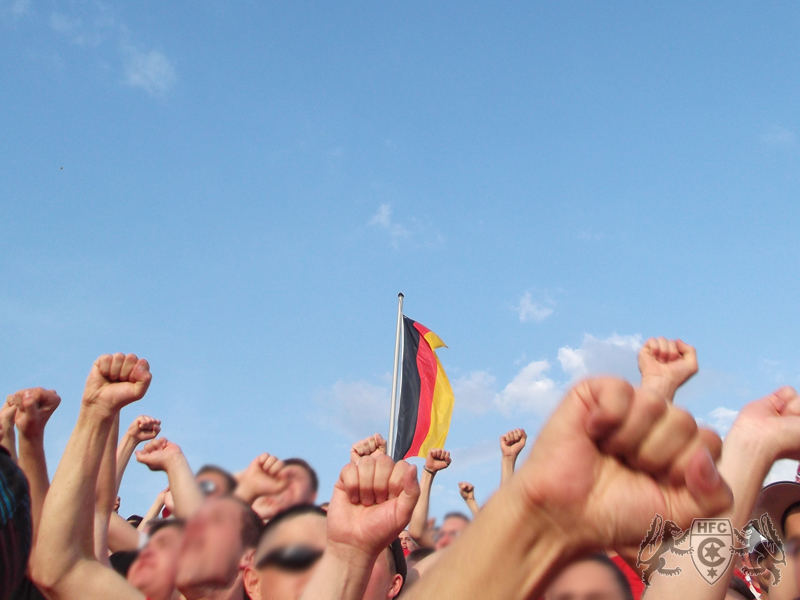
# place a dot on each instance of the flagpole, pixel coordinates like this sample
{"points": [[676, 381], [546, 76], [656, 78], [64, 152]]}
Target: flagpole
{"points": [[397, 342]]}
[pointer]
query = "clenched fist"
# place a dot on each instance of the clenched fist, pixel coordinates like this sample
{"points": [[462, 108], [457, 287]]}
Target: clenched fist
{"points": [[371, 445], [264, 476], [512, 443], [143, 429], [116, 381], [666, 365], [467, 490], [34, 408], [159, 454], [437, 460]]}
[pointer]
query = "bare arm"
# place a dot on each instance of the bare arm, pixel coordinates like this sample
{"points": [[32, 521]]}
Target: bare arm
{"points": [[64, 564], [163, 455], [436, 460], [154, 510], [34, 408], [105, 494], [8, 437], [122, 536], [143, 429], [467, 491], [511, 444]]}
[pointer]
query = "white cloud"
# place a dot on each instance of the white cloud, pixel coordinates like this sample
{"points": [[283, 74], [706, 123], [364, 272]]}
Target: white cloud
{"points": [[528, 310], [383, 219], [151, 71], [530, 390], [355, 409], [74, 29], [475, 392], [614, 355], [722, 418], [779, 136]]}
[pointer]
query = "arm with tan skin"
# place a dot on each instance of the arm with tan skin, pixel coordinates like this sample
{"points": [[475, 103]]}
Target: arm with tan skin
{"points": [[371, 504], [143, 429], [437, 460], [765, 431], [615, 442], [106, 495], [154, 510], [467, 491], [163, 455], [64, 566], [511, 444], [34, 408], [264, 476], [8, 438]]}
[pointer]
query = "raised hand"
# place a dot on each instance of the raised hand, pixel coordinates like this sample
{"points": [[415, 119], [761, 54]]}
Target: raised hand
{"points": [[7, 437], [372, 503], [371, 445], [630, 455], [34, 408], [437, 460], [666, 365], [158, 454], [144, 429], [772, 424], [467, 490], [264, 476], [512, 443], [116, 381]]}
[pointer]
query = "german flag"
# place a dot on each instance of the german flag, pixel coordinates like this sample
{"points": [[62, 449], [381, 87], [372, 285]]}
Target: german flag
{"points": [[426, 398]]}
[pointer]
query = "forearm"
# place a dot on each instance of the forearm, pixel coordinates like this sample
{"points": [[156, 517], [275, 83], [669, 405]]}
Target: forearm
{"points": [[506, 553], [106, 494], [340, 576], [121, 534], [507, 469], [33, 463], [419, 518], [185, 491], [473, 506], [152, 512], [127, 445], [67, 523]]}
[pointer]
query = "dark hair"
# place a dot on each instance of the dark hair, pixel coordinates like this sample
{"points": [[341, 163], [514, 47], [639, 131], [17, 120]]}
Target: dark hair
{"points": [[792, 508], [397, 560], [252, 525], [299, 462], [419, 554], [156, 525], [230, 482], [121, 561], [456, 515], [740, 587], [135, 520], [295, 511], [619, 576]]}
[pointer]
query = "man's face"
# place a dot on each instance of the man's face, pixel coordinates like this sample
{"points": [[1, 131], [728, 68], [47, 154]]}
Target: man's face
{"points": [[212, 546], [407, 542], [449, 531], [286, 558], [212, 484], [585, 580], [384, 583], [298, 490], [153, 572]]}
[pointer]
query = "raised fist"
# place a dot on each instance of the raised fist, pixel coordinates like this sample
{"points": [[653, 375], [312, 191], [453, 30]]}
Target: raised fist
{"points": [[116, 381], [512, 443], [371, 445], [467, 490], [666, 365], [372, 503], [34, 408], [143, 429], [264, 476], [158, 454], [437, 460]]}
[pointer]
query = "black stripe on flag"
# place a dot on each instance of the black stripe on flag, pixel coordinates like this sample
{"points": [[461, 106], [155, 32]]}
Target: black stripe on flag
{"points": [[409, 395]]}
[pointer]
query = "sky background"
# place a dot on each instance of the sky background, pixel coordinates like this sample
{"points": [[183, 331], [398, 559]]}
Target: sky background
{"points": [[238, 190]]}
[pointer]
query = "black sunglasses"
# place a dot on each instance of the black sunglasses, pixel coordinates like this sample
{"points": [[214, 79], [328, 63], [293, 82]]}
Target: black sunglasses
{"points": [[290, 558]]}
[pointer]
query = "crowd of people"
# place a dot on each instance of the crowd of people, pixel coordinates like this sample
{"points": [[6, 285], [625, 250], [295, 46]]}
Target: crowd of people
{"points": [[578, 520]]}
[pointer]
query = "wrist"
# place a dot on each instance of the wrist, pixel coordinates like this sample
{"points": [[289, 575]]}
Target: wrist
{"points": [[660, 386], [353, 558], [245, 493]]}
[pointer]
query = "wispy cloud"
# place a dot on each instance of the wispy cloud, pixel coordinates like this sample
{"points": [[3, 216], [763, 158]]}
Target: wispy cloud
{"points": [[779, 137], [383, 219], [151, 71], [14, 9], [355, 409], [89, 33], [412, 232], [528, 310]]}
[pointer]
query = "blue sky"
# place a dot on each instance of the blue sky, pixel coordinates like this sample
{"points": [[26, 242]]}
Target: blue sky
{"points": [[238, 190]]}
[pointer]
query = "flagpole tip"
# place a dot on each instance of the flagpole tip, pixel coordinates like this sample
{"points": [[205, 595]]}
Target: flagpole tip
{"points": [[400, 295]]}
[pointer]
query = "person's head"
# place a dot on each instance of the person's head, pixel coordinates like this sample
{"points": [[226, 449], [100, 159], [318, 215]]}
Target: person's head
{"points": [[592, 577], [781, 503], [215, 481], [453, 525], [287, 553], [154, 569], [219, 542], [407, 542], [302, 484], [388, 574]]}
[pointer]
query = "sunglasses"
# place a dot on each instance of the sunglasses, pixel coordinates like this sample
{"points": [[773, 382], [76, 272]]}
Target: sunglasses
{"points": [[290, 558], [207, 486]]}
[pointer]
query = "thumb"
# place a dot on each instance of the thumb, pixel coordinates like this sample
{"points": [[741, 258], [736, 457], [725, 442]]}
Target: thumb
{"points": [[407, 488], [706, 493], [594, 407]]}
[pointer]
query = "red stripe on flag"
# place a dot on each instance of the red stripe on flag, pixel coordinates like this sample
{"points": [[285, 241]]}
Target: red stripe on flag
{"points": [[426, 365]]}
